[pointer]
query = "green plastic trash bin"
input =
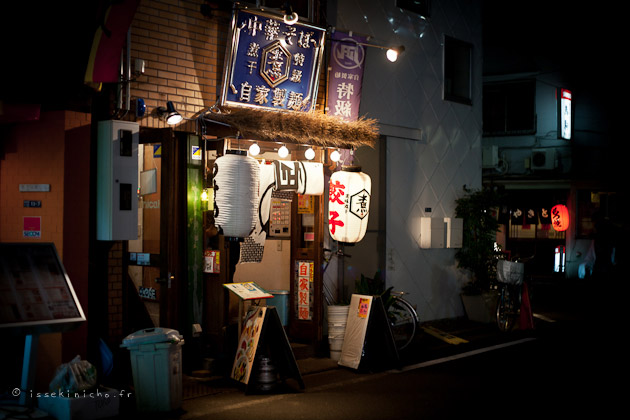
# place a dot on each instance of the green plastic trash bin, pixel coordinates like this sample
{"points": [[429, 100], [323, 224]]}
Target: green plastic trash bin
{"points": [[156, 365]]}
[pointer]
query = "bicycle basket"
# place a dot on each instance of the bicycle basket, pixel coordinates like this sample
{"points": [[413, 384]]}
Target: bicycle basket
{"points": [[510, 272]]}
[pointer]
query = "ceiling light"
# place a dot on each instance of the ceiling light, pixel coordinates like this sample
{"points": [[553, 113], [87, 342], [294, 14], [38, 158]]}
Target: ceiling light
{"points": [[335, 156], [309, 153], [254, 149], [283, 151], [169, 114]]}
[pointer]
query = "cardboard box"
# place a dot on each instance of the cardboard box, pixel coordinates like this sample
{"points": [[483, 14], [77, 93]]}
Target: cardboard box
{"points": [[87, 405]]}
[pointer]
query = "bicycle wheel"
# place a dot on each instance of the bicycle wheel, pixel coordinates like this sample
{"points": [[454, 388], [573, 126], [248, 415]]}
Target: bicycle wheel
{"points": [[403, 321], [506, 314]]}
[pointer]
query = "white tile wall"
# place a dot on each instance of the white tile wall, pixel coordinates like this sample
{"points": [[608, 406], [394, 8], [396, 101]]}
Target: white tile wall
{"points": [[432, 171]]}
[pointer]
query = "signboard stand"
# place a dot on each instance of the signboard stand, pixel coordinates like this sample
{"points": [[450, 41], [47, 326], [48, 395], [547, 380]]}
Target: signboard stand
{"points": [[368, 342], [32, 276], [263, 336]]}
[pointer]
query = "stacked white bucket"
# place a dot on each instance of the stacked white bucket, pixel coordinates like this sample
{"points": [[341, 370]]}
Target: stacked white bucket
{"points": [[337, 320]]}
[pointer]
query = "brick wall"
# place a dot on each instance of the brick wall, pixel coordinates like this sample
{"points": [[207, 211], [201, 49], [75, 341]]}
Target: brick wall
{"points": [[183, 53], [36, 153], [114, 292], [33, 154]]}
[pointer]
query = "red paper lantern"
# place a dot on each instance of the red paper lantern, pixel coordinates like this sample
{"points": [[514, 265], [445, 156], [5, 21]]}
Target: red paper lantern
{"points": [[560, 217]]}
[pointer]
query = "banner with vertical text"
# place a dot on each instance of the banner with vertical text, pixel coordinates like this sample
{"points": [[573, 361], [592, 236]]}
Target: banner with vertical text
{"points": [[347, 56]]}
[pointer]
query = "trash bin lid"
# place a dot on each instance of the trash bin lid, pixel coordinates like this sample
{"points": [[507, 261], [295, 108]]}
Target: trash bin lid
{"points": [[152, 335]]}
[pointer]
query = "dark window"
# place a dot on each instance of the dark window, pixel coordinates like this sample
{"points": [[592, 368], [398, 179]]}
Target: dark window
{"points": [[509, 108], [302, 7], [420, 7], [457, 70]]}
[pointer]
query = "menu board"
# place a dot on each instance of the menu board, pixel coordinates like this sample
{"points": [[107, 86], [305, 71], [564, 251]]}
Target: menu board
{"points": [[248, 290], [35, 291], [248, 343]]}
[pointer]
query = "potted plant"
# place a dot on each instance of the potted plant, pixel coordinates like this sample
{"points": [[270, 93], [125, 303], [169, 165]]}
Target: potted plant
{"points": [[478, 255]]}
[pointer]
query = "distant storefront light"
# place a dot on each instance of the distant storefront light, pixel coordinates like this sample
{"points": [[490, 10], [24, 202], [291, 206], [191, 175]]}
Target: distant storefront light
{"points": [[565, 114]]}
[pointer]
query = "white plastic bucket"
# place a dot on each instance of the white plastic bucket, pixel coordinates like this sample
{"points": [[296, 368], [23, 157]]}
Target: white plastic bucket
{"points": [[337, 320]]}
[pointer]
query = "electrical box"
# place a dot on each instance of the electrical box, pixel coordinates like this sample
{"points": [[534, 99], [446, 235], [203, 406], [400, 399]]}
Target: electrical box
{"points": [[117, 181], [431, 232], [454, 231]]}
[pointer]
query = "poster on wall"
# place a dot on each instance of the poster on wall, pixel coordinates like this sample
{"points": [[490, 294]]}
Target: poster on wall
{"points": [[211, 261], [304, 283], [347, 56], [271, 64]]}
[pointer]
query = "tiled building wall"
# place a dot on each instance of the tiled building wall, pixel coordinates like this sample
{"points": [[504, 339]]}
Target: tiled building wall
{"points": [[33, 153], [426, 171], [36, 152]]}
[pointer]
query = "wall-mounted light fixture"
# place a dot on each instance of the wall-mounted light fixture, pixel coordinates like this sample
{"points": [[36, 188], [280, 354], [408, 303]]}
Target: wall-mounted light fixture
{"points": [[335, 156], [169, 114], [290, 17], [393, 53]]}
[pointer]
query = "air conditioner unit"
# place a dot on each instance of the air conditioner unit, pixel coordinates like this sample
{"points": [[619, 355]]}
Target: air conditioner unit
{"points": [[543, 159], [490, 157]]}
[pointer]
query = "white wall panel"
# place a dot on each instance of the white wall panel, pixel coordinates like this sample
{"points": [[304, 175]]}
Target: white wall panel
{"points": [[432, 171]]}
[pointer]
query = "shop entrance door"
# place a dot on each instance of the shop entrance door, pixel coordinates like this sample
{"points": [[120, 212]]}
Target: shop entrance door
{"points": [[152, 263]]}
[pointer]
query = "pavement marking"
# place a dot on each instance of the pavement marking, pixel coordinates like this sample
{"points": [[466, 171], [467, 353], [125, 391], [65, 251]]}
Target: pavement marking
{"points": [[444, 336], [543, 318], [460, 356]]}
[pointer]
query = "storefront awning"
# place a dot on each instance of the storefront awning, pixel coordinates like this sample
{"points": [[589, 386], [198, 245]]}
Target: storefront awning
{"points": [[315, 128]]}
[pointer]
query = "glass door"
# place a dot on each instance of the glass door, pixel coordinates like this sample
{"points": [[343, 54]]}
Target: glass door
{"points": [[144, 253]]}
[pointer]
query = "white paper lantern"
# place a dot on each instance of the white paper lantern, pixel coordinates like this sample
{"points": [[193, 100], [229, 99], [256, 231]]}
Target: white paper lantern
{"points": [[349, 204], [306, 178], [236, 178]]}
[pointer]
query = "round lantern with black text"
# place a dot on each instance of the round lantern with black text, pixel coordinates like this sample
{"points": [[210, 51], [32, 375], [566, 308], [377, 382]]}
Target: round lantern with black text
{"points": [[349, 204], [236, 177], [560, 217]]}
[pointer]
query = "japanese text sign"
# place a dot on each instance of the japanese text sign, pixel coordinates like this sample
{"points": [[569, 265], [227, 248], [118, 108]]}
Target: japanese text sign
{"points": [[272, 65], [304, 280], [346, 75]]}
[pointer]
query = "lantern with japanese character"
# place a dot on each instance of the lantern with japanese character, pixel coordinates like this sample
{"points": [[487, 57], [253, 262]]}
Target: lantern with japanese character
{"points": [[349, 204], [560, 217], [236, 177]]}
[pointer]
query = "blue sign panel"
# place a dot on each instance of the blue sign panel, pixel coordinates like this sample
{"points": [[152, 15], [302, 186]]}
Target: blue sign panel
{"points": [[271, 64]]}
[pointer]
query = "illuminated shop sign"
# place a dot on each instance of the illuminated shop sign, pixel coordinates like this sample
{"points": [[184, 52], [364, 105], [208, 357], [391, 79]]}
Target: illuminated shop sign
{"points": [[565, 114], [272, 65]]}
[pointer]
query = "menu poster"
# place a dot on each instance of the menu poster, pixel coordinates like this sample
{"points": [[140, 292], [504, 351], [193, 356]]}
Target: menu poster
{"points": [[247, 344], [248, 290], [34, 288]]}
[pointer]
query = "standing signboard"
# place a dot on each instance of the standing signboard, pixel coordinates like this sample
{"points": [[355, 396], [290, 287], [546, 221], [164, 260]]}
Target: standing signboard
{"points": [[271, 64], [368, 339]]}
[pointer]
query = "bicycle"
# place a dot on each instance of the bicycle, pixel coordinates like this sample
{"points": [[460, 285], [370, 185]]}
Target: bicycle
{"points": [[510, 278], [403, 318]]}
